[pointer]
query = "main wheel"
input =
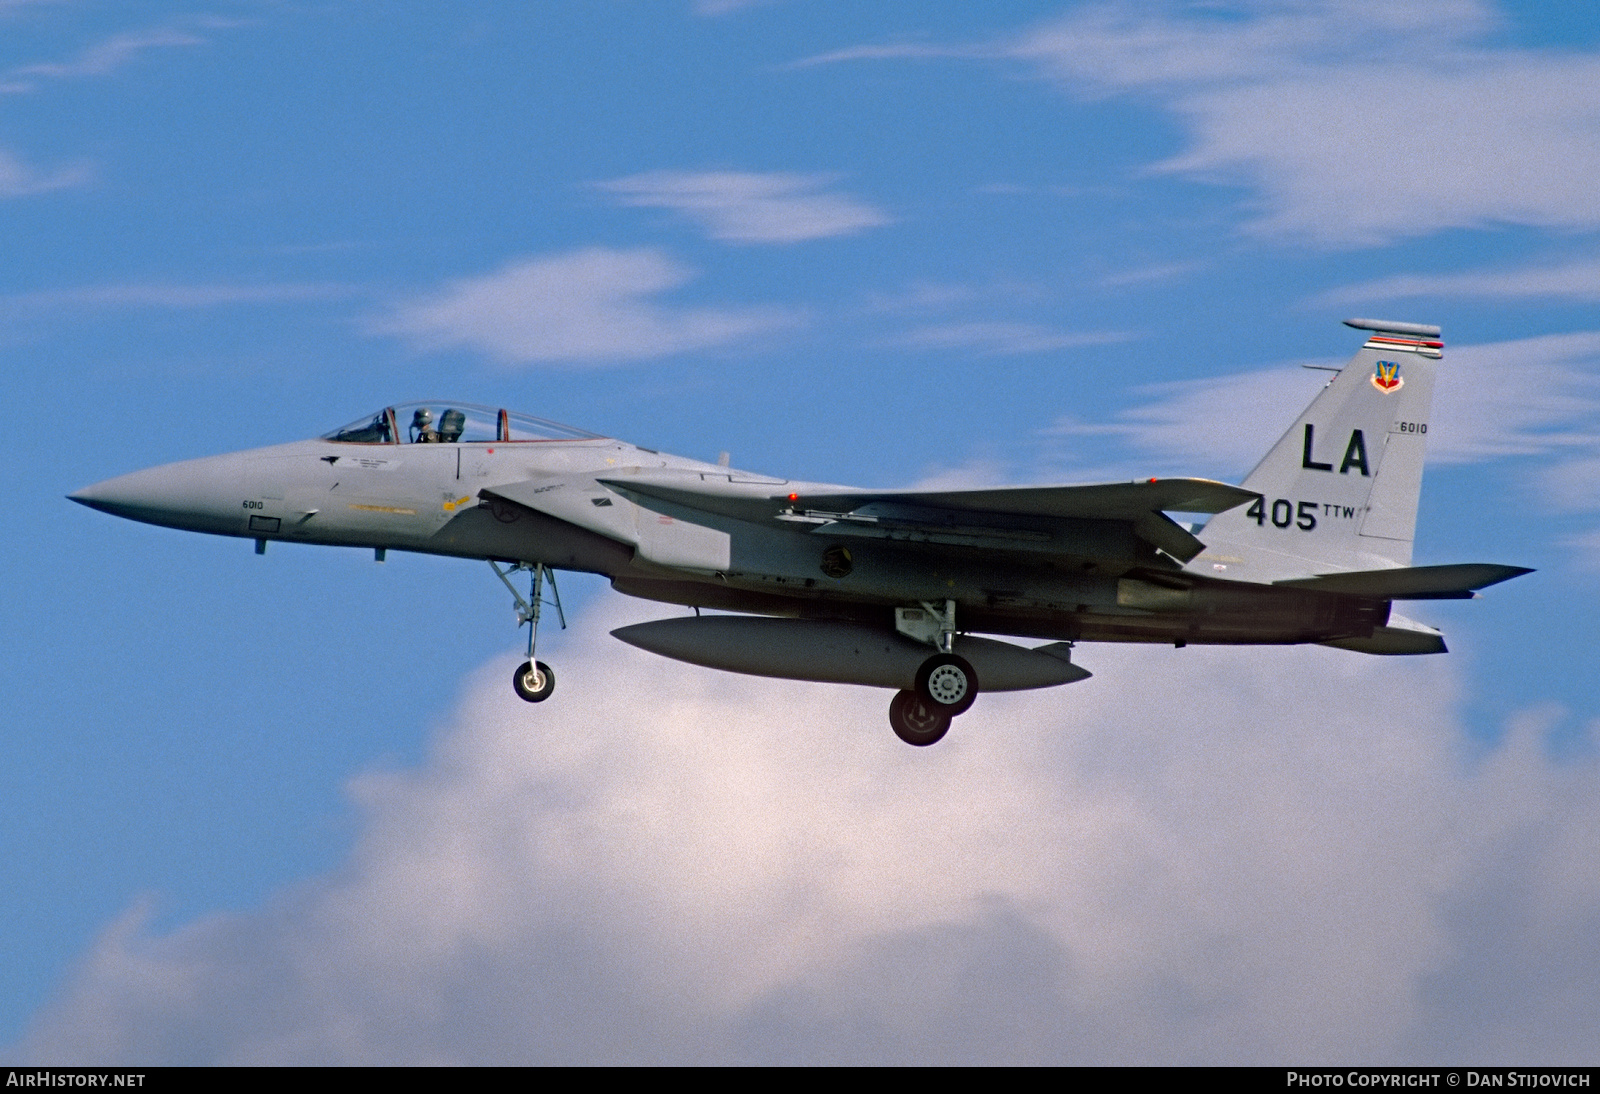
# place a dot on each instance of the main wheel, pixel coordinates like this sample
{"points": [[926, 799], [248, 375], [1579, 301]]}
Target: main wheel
{"points": [[947, 681], [915, 720], [534, 681]]}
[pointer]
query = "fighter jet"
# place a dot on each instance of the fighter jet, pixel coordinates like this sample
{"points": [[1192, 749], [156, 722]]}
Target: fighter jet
{"points": [[885, 588]]}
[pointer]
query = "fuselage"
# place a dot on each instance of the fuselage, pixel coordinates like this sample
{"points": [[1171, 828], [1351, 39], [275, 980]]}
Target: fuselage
{"points": [[373, 486]]}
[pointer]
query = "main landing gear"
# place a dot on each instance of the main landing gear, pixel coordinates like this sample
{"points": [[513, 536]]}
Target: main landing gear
{"points": [[534, 680], [946, 684]]}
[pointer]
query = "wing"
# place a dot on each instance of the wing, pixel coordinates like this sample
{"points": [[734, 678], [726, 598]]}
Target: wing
{"points": [[1100, 501], [1029, 518]]}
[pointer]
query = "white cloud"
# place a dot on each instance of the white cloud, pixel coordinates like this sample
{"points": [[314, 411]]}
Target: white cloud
{"points": [[932, 305], [1528, 397], [1569, 281], [101, 58], [940, 298], [170, 296], [892, 51], [1586, 547], [17, 179], [1144, 275], [1356, 121], [7, 7], [594, 306], [1218, 426], [1198, 856], [1574, 485], [1000, 338], [1536, 397], [750, 207], [1119, 46], [713, 8]]}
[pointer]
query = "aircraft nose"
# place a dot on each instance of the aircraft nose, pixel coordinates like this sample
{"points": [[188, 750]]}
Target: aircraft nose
{"points": [[135, 496], [122, 496], [111, 496], [181, 495]]}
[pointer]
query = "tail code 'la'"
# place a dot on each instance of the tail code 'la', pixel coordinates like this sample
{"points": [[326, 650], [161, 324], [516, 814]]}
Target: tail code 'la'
{"points": [[1339, 491]]}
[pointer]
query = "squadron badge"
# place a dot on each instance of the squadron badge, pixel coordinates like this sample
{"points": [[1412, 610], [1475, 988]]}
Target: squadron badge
{"points": [[1386, 377]]}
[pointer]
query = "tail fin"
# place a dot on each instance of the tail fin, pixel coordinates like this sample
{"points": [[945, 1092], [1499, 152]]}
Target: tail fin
{"points": [[1339, 490]]}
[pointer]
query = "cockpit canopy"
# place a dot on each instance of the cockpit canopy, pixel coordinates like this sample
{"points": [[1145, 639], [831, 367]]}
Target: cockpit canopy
{"points": [[452, 423]]}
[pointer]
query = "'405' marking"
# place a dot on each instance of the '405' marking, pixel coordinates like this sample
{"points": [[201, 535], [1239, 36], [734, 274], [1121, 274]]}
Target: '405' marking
{"points": [[1284, 512], [1302, 514]]}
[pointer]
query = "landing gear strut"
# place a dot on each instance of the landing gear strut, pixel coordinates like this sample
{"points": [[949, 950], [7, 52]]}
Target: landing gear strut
{"points": [[946, 684], [534, 680]]}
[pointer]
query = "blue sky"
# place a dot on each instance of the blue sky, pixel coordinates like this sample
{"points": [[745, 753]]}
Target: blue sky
{"points": [[286, 809]]}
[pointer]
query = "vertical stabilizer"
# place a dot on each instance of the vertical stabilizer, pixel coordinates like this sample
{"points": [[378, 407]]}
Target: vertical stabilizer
{"points": [[1340, 489]]}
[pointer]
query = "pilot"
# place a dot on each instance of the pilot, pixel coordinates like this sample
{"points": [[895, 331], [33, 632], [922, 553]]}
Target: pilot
{"points": [[422, 427]]}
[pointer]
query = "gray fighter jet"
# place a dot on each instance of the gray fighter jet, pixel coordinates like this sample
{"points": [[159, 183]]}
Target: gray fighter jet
{"points": [[887, 588]]}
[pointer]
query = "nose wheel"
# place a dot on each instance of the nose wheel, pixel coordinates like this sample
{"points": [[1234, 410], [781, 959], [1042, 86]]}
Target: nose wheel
{"points": [[534, 680]]}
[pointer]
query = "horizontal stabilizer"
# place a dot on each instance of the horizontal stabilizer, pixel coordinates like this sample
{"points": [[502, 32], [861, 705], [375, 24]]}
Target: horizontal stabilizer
{"points": [[1457, 582], [1400, 637]]}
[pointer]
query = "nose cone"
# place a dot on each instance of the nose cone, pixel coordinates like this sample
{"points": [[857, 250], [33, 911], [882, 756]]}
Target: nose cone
{"points": [[121, 497], [179, 495]]}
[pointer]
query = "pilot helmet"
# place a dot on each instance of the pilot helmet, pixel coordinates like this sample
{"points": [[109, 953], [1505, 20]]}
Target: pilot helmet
{"points": [[422, 418]]}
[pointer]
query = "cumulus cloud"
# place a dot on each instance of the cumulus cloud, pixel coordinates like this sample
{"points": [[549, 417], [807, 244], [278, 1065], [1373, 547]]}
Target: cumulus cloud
{"points": [[1197, 856], [751, 207], [587, 307], [1355, 121], [1534, 397]]}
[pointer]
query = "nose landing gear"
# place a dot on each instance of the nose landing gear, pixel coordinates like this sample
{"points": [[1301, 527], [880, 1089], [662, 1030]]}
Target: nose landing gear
{"points": [[534, 680]]}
